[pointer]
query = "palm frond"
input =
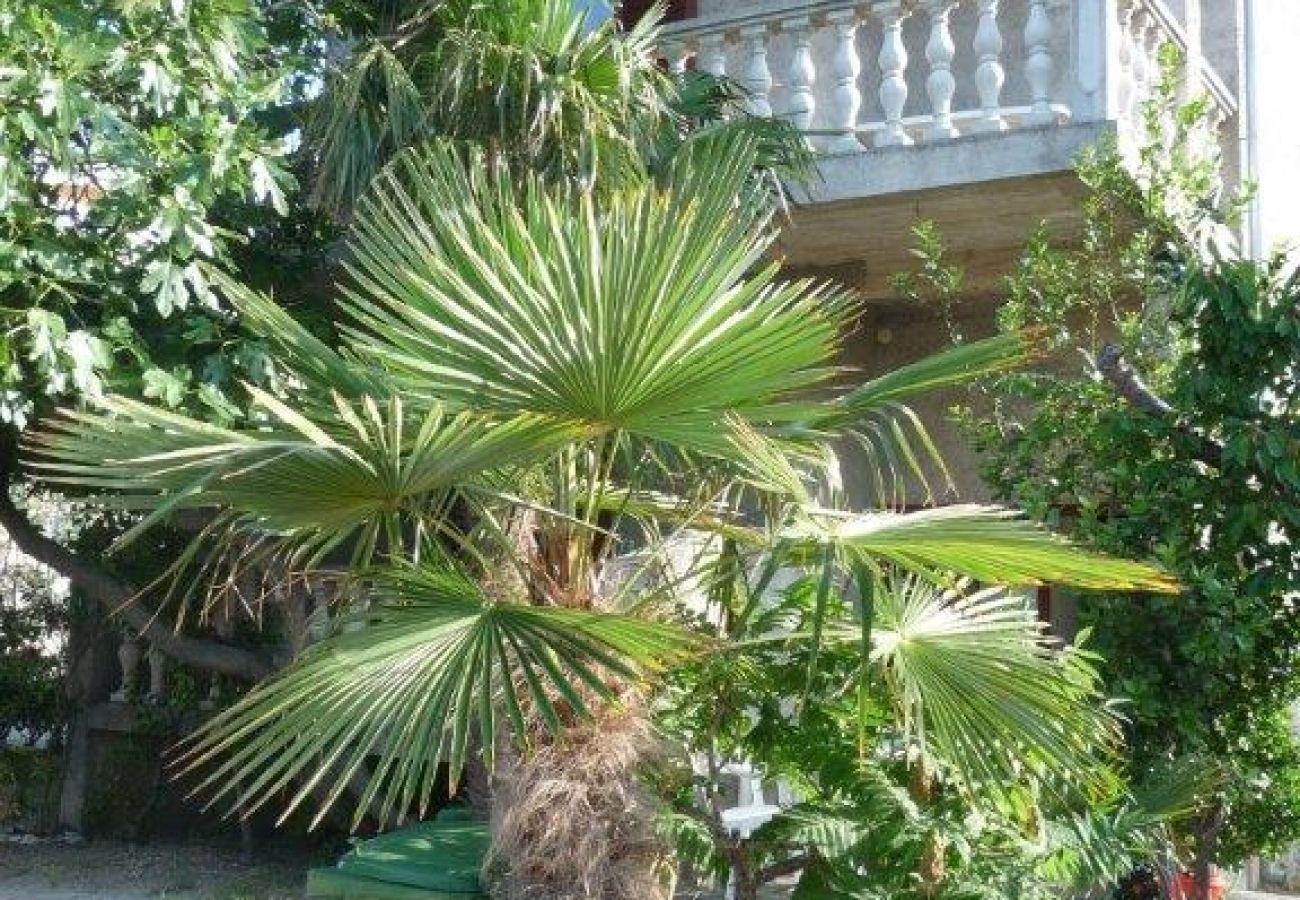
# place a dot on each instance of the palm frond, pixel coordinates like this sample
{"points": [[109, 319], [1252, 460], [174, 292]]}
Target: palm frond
{"points": [[322, 369], [642, 314], [705, 107], [960, 365], [534, 81], [896, 449], [350, 476], [979, 688], [987, 543], [528, 78], [370, 109], [436, 664], [895, 444]]}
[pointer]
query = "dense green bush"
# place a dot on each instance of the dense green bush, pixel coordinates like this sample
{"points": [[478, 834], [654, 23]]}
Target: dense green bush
{"points": [[878, 815], [1166, 426], [28, 788], [32, 619]]}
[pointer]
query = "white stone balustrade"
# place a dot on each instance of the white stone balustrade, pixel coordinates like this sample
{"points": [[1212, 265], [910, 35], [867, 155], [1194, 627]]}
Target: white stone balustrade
{"points": [[129, 654], [893, 73], [1146, 27]]}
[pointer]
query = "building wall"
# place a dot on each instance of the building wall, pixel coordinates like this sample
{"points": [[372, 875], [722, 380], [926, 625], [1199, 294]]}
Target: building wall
{"points": [[1272, 37], [892, 336]]}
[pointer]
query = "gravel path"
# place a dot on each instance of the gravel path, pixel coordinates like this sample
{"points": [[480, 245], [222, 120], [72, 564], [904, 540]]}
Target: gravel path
{"points": [[117, 871]]}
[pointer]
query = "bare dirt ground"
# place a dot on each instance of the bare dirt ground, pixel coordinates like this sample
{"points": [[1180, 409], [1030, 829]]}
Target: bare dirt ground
{"points": [[105, 870], [187, 871], [117, 871]]}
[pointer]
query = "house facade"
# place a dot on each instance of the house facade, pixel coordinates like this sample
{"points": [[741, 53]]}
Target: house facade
{"points": [[967, 113], [972, 114]]}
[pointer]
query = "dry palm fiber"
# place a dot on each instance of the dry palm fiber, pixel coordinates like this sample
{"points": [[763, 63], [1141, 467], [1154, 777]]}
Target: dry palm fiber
{"points": [[573, 820]]}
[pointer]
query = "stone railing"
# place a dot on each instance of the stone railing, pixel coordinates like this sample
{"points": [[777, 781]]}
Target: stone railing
{"points": [[900, 72], [133, 655], [1144, 26]]}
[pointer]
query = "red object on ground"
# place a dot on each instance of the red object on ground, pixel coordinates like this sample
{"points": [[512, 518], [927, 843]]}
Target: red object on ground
{"points": [[1185, 889]]}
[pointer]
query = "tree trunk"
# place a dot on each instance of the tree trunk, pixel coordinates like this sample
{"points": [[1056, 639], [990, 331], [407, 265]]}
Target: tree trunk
{"points": [[933, 868], [120, 600], [1207, 842], [747, 881], [572, 821]]}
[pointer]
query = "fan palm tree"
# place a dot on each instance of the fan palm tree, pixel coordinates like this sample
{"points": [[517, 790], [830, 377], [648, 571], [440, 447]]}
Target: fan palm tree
{"points": [[534, 380], [534, 83]]}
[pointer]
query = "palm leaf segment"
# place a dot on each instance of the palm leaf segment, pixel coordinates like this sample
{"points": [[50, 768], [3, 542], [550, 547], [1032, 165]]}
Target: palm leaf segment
{"points": [[438, 664], [986, 543]]}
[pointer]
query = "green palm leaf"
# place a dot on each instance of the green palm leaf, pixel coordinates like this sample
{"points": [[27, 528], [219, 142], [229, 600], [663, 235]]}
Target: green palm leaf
{"points": [[896, 445], [370, 109], [309, 359], [527, 77], [989, 544], [960, 365], [642, 313], [315, 484], [532, 79], [437, 663], [980, 688]]}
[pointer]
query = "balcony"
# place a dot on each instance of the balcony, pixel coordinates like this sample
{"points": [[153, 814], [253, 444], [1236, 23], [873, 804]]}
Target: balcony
{"points": [[970, 113]]}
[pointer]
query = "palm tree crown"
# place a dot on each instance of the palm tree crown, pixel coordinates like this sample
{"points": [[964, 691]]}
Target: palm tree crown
{"points": [[578, 372]]}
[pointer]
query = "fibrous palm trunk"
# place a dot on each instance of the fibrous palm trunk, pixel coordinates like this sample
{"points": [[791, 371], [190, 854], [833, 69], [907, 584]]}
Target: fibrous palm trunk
{"points": [[571, 819]]}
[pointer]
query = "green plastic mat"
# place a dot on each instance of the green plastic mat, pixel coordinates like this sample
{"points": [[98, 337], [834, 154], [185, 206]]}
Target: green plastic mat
{"points": [[433, 860], [335, 884]]}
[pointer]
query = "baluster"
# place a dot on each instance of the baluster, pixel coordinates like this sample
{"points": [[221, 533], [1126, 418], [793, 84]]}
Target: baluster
{"points": [[1214, 139], [213, 696], [989, 75], [157, 674], [802, 73], [1153, 39], [713, 54], [846, 98], [1127, 90], [128, 655], [757, 77], [940, 84], [1140, 24], [1039, 66], [893, 74], [675, 54]]}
